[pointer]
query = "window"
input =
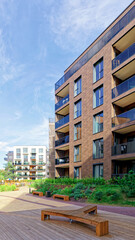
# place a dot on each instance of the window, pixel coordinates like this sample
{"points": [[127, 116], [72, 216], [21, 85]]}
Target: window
{"points": [[77, 172], [33, 150], [25, 157], [98, 123], [98, 97], [25, 150], [78, 109], [40, 150], [40, 157], [98, 170], [77, 131], [18, 153], [77, 153], [98, 70], [18, 150], [98, 148], [77, 86]]}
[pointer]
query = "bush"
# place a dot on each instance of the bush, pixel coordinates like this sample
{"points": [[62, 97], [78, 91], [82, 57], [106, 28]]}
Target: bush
{"points": [[127, 184], [115, 196], [109, 192], [98, 195], [88, 192]]}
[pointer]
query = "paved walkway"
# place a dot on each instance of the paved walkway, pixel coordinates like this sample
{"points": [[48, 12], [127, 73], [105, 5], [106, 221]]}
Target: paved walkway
{"points": [[20, 220]]}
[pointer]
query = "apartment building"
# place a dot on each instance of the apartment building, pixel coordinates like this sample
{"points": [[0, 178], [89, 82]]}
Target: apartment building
{"points": [[30, 162], [95, 106], [9, 156]]}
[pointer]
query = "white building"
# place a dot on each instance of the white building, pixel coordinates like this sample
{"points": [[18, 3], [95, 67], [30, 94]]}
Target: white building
{"points": [[31, 162]]}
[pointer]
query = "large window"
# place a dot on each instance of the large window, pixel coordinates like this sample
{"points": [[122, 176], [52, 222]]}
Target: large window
{"points": [[98, 170], [77, 153], [33, 150], [40, 150], [98, 70], [77, 131], [77, 172], [78, 109], [98, 123], [98, 97], [18, 153], [98, 148], [25, 150], [77, 86], [40, 157]]}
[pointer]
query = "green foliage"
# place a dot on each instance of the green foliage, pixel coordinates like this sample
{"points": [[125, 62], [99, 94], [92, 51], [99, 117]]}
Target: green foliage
{"points": [[114, 196], [127, 184], [98, 195], [5, 188]]}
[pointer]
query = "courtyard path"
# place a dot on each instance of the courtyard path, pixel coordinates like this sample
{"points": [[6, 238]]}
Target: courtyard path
{"points": [[20, 220]]}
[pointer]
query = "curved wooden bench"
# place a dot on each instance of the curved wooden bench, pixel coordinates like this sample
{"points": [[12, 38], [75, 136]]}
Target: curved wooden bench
{"points": [[38, 193], [86, 215], [65, 197]]}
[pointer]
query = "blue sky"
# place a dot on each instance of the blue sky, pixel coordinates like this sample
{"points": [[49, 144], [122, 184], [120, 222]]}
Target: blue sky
{"points": [[39, 39]]}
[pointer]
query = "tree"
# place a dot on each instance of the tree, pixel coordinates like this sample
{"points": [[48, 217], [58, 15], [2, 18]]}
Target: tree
{"points": [[9, 171]]}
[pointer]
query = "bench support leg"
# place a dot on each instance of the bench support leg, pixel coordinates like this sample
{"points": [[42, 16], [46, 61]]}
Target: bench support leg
{"points": [[102, 229]]}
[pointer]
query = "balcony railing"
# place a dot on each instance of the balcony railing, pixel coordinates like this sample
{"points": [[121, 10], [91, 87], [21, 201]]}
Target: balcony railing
{"points": [[124, 148], [123, 118], [123, 87], [62, 102], [62, 121], [25, 163], [17, 163], [62, 140], [41, 163], [124, 21], [121, 175], [130, 51], [33, 163], [61, 160]]}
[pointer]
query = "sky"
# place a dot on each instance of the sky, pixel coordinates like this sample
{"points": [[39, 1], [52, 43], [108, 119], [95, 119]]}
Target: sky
{"points": [[39, 39]]}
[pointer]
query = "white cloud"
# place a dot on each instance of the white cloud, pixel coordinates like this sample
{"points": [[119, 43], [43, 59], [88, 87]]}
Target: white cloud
{"points": [[75, 22]]}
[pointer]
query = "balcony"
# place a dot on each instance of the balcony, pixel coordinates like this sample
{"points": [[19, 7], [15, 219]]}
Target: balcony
{"points": [[33, 157], [123, 118], [124, 148], [62, 102], [62, 141], [130, 51], [25, 163], [62, 121], [33, 163], [123, 87], [17, 163], [41, 163], [61, 160]]}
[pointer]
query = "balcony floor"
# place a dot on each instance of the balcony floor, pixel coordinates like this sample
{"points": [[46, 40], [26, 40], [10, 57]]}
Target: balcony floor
{"points": [[20, 219]]}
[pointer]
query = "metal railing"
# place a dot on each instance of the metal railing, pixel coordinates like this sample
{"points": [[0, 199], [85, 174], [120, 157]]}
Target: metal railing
{"points": [[123, 148], [123, 87], [62, 121], [123, 118], [130, 51], [123, 22], [62, 102], [62, 140], [62, 160]]}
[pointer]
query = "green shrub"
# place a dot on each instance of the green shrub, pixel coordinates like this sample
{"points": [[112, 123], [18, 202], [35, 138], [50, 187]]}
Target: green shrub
{"points": [[98, 195], [88, 192], [109, 192], [115, 196], [127, 184]]}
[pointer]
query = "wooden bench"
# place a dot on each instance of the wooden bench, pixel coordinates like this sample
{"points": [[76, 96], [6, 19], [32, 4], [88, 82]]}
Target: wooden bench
{"points": [[38, 193], [86, 215], [66, 198]]}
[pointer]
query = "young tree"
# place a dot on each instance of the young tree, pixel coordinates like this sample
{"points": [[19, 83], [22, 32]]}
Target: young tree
{"points": [[9, 171]]}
